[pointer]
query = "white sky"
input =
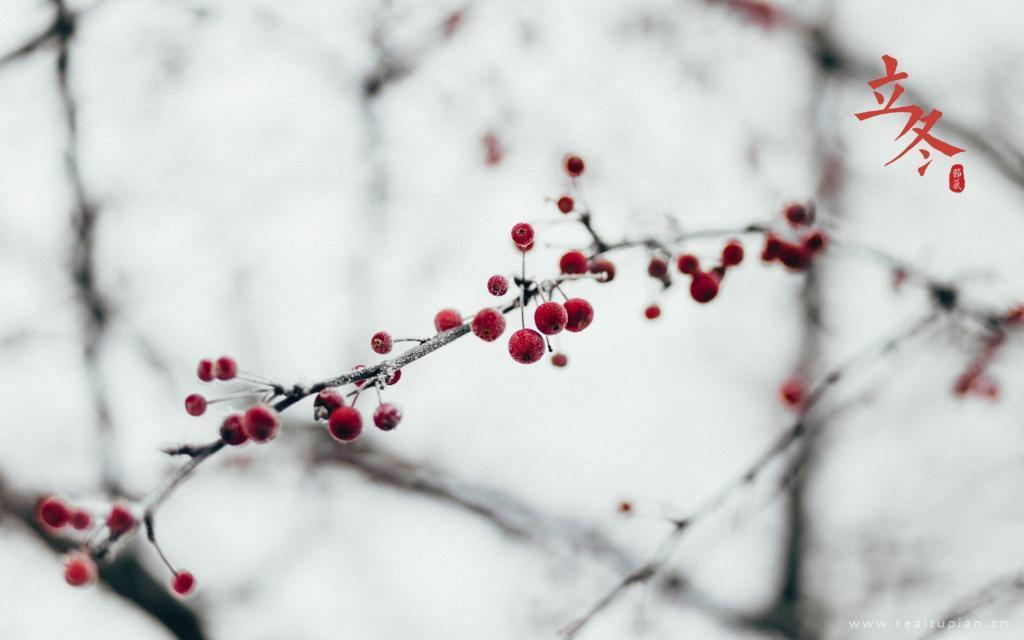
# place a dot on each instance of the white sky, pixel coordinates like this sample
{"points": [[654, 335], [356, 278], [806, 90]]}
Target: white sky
{"points": [[252, 203]]}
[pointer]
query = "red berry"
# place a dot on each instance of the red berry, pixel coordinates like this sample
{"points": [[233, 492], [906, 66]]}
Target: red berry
{"points": [[226, 368], [232, 430], [796, 214], [657, 268], [1015, 315], [494, 150], [526, 346], [985, 386], [452, 22], [574, 165], [652, 312], [732, 253], [573, 262], [759, 12], [550, 318], [381, 343], [120, 519], [395, 378], [559, 360], [497, 285], [688, 263], [899, 276], [794, 256], [815, 242], [260, 423], [565, 204], [447, 319], [183, 583], [793, 392], [772, 245], [53, 512], [522, 235], [205, 370], [328, 400], [81, 520], [604, 268], [195, 405], [79, 569], [488, 324], [345, 424], [704, 287], [963, 383], [580, 313], [387, 416]]}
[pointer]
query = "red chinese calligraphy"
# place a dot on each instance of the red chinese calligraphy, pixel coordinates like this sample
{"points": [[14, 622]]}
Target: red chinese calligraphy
{"points": [[917, 121]]}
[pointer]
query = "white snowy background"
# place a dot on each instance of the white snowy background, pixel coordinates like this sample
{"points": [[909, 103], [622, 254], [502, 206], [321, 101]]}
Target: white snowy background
{"points": [[253, 198]]}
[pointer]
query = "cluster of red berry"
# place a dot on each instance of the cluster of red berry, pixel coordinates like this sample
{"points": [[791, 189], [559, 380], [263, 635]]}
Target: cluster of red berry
{"points": [[550, 318], [795, 246], [807, 242], [56, 514], [223, 368], [704, 285], [527, 346], [975, 379], [574, 166], [79, 567], [259, 423], [344, 422]]}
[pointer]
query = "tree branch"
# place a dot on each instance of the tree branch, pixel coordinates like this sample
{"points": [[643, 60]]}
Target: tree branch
{"points": [[1006, 590], [126, 575], [780, 445]]}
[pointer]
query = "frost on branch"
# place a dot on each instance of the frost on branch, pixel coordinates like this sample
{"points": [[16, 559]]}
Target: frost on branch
{"points": [[791, 238]]}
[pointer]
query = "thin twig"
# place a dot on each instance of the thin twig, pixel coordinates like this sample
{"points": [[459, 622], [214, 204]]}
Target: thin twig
{"points": [[776, 448], [1007, 590]]}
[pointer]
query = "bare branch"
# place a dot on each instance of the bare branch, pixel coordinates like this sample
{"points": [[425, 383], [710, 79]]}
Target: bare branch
{"points": [[1006, 590], [775, 449], [126, 575]]}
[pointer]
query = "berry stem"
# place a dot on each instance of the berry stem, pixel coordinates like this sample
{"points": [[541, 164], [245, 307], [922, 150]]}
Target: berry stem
{"points": [[151, 536], [92, 534], [522, 294], [776, 448], [244, 393], [288, 397], [249, 376], [600, 246]]}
